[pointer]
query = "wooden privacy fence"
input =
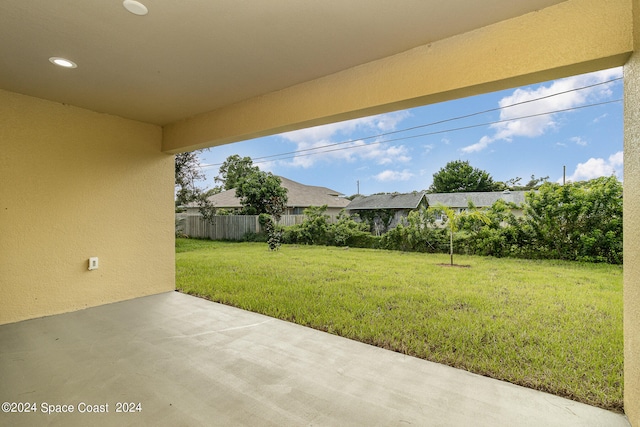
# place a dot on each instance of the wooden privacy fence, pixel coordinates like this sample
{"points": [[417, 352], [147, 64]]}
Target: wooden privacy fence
{"points": [[227, 227], [223, 227]]}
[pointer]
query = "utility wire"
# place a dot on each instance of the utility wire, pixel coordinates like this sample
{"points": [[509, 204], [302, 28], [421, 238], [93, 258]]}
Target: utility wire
{"points": [[440, 121], [433, 133], [322, 149]]}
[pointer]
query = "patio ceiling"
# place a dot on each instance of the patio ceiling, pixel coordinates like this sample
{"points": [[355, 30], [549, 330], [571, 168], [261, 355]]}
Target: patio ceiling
{"points": [[186, 58]]}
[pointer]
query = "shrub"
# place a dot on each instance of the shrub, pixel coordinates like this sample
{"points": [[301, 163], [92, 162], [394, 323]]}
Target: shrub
{"points": [[316, 230], [419, 233], [273, 231], [346, 232], [368, 241], [291, 235], [254, 237], [576, 221]]}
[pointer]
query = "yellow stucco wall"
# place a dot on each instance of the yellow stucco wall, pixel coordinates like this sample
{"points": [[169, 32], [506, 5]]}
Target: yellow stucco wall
{"points": [[76, 184], [632, 228]]}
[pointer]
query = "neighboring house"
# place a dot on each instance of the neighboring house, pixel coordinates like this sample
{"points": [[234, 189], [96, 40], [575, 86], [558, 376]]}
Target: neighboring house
{"points": [[299, 197], [399, 205], [460, 201], [402, 204]]}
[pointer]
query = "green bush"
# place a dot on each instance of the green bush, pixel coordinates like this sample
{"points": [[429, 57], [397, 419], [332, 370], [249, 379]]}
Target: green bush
{"points": [[577, 221], [367, 241], [273, 231], [254, 237], [419, 233], [346, 232], [316, 230], [291, 235]]}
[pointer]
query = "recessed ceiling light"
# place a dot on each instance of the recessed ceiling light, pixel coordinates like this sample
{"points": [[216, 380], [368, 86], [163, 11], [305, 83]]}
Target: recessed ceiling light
{"points": [[135, 7], [62, 62]]}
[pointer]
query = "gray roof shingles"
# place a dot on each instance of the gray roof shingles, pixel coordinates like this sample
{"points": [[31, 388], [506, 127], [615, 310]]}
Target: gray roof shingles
{"points": [[298, 195], [387, 201], [454, 200]]}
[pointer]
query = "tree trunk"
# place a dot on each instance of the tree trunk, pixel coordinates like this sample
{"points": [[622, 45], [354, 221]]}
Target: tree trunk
{"points": [[451, 246]]}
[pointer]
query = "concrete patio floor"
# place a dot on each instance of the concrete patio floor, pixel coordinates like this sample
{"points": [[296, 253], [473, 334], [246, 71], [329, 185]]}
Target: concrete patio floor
{"points": [[191, 362]]}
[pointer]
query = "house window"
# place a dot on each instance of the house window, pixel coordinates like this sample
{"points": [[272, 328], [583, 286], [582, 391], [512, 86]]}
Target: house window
{"points": [[297, 211]]}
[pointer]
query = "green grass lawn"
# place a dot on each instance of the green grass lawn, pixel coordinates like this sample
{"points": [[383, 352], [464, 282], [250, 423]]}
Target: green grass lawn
{"points": [[552, 326]]}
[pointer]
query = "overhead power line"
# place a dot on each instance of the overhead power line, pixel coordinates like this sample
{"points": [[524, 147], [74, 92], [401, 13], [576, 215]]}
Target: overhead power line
{"points": [[327, 148], [433, 133]]}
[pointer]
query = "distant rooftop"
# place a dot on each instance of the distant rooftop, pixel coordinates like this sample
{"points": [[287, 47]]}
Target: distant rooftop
{"points": [[387, 201], [454, 200], [298, 196], [479, 199]]}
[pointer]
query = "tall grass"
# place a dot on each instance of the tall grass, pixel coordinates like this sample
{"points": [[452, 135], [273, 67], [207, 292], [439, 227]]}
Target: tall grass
{"points": [[549, 325]]}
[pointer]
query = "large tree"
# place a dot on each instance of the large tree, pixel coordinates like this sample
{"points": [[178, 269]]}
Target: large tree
{"points": [[514, 184], [187, 174], [262, 192], [459, 176], [233, 169], [259, 192]]}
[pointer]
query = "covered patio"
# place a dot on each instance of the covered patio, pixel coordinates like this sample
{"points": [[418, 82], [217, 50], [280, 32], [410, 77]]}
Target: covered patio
{"points": [[87, 172], [188, 361]]}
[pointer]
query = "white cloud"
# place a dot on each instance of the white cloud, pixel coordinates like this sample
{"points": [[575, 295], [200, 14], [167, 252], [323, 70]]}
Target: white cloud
{"points": [[597, 167], [617, 159], [389, 175], [267, 166], [512, 127], [317, 137], [579, 141], [427, 148], [603, 116], [388, 122], [386, 155], [478, 146]]}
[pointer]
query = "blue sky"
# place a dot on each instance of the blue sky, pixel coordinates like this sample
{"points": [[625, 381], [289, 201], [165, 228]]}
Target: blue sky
{"points": [[588, 141]]}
